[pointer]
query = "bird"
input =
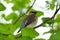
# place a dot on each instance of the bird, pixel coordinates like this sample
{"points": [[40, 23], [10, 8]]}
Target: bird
{"points": [[30, 21]]}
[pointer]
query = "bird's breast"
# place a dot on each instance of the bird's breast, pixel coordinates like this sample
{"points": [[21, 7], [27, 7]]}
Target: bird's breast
{"points": [[32, 24]]}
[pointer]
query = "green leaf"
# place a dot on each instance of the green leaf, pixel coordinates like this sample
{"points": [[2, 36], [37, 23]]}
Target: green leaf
{"points": [[56, 36], [8, 28], [11, 37], [15, 7], [39, 13], [50, 31], [52, 5], [17, 24], [12, 16], [45, 18], [40, 39], [2, 37], [3, 15], [57, 27], [18, 6], [2, 7], [4, 28], [57, 18], [24, 38], [29, 32], [47, 32], [49, 22]]}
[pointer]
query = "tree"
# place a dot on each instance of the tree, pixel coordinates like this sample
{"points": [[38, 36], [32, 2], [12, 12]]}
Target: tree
{"points": [[7, 30]]}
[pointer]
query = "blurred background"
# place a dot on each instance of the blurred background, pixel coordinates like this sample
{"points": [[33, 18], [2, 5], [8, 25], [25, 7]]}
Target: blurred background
{"points": [[40, 5]]}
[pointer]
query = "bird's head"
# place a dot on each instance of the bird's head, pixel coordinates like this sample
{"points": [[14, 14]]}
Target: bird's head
{"points": [[32, 13]]}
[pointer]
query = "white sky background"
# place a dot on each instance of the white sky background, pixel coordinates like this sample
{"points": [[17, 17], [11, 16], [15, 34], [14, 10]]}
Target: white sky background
{"points": [[38, 4]]}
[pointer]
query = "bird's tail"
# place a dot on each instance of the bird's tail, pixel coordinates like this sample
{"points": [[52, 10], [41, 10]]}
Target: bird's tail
{"points": [[19, 30]]}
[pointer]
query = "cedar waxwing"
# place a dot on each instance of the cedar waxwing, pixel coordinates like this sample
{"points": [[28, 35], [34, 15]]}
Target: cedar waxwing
{"points": [[30, 21]]}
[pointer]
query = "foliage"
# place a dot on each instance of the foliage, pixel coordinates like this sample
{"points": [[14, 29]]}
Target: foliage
{"points": [[2, 7], [39, 13], [55, 36], [7, 30], [40, 39], [29, 33]]}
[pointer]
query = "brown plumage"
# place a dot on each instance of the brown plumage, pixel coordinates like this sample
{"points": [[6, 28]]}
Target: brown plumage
{"points": [[30, 21]]}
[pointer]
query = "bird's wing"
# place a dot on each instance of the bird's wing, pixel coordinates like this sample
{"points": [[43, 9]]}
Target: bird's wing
{"points": [[22, 25], [27, 21]]}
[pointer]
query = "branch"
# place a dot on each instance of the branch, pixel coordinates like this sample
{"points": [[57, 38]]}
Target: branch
{"points": [[48, 19], [31, 6], [52, 27], [53, 22], [25, 13]]}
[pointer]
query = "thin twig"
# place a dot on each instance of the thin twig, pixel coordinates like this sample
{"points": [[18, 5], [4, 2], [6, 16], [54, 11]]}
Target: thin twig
{"points": [[31, 6], [25, 13], [48, 19], [52, 27], [53, 22]]}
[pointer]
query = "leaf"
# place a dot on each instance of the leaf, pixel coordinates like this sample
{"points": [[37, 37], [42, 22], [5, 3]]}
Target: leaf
{"points": [[57, 27], [53, 30], [4, 28], [57, 18], [17, 24], [7, 28], [49, 22], [18, 6], [24, 38], [12, 16], [11, 37], [3, 37], [53, 1], [40, 39], [3, 15], [2, 7], [47, 32], [45, 18], [15, 7], [29, 32], [39, 13], [56, 36], [52, 5], [50, 31]]}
